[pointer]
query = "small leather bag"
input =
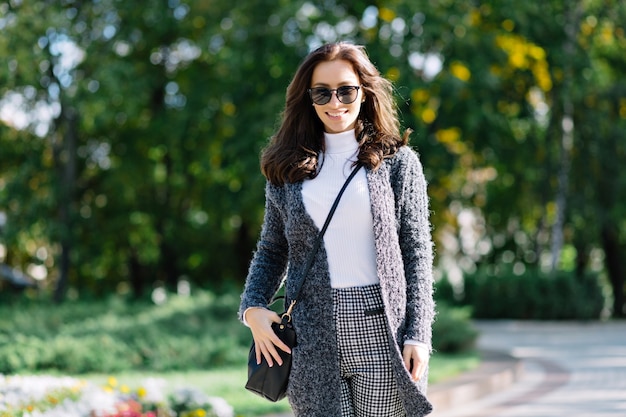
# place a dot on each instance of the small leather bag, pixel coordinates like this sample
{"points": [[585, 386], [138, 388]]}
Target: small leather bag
{"points": [[271, 382]]}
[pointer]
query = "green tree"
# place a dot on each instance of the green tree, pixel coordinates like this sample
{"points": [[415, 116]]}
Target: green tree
{"points": [[148, 169]]}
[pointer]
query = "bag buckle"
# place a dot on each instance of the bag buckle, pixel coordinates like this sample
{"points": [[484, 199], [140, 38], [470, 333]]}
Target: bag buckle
{"points": [[287, 314]]}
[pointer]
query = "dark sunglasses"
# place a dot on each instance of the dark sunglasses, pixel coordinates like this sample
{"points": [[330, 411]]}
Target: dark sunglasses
{"points": [[345, 94]]}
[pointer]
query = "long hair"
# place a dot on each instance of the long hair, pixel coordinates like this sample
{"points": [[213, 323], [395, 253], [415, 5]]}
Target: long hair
{"points": [[292, 153]]}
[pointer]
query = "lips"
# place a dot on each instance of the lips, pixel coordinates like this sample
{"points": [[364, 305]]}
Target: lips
{"points": [[336, 115]]}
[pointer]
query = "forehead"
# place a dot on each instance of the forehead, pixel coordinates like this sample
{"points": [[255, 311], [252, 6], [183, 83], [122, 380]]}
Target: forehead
{"points": [[334, 73]]}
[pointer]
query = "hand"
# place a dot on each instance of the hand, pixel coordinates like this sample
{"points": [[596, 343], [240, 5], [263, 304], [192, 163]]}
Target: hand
{"points": [[420, 357], [265, 340]]}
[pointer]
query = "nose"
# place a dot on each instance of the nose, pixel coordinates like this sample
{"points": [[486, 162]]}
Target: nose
{"points": [[334, 97]]}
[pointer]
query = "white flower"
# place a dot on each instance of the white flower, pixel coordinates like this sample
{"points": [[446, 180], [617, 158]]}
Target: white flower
{"points": [[221, 408], [155, 390]]}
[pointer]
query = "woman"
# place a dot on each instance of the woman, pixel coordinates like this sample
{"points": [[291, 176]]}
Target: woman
{"points": [[364, 313]]}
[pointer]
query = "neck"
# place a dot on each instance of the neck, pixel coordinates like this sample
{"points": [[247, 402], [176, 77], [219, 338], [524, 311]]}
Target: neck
{"points": [[341, 142]]}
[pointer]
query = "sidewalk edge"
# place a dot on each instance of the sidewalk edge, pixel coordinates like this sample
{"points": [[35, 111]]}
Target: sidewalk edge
{"points": [[496, 372]]}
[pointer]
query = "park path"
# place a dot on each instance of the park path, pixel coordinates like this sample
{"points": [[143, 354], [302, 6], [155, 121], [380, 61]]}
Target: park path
{"points": [[569, 369]]}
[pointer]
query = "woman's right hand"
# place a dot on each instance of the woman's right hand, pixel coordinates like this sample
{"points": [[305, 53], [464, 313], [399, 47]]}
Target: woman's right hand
{"points": [[265, 340]]}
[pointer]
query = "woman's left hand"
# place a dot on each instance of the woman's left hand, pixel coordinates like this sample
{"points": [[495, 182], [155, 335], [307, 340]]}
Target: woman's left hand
{"points": [[419, 356]]}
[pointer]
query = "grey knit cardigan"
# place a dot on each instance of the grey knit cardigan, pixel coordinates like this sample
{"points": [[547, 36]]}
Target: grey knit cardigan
{"points": [[404, 257]]}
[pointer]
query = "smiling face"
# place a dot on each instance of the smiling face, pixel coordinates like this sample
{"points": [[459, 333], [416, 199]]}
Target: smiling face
{"points": [[336, 116]]}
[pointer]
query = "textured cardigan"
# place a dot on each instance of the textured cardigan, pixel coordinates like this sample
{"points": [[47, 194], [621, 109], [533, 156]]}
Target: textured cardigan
{"points": [[404, 257]]}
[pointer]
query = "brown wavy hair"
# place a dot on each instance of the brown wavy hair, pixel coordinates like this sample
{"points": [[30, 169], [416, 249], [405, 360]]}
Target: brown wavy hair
{"points": [[292, 153]]}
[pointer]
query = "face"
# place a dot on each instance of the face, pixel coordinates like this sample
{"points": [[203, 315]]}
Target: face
{"points": [[337, 116]]}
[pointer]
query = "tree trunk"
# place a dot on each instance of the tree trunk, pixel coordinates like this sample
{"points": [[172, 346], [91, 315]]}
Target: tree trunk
{"points": [[137, 281], [169, 267], [615, 268], [572, 15], [66, 162]]}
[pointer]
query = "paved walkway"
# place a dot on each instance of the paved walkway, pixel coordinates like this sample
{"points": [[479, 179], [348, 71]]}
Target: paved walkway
{"points": [[570, 369]]}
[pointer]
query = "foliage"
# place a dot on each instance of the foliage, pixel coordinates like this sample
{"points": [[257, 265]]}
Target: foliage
{"points": [[130, 136], [531, 295], [452, 331], [184, 333]]}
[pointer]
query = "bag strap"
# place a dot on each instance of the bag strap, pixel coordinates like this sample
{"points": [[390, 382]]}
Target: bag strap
{"points": [[318, 241]]}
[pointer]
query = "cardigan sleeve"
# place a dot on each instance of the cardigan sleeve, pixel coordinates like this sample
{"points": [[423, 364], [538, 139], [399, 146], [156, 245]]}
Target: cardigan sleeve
{"points": [[412, 212], [269, 262]]}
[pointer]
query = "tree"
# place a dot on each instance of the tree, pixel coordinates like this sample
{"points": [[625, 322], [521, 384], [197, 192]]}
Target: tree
{"points": [[146, 167]]}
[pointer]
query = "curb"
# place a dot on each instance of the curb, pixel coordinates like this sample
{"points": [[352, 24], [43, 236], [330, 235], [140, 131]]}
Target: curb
{"points": [[496, 372]]}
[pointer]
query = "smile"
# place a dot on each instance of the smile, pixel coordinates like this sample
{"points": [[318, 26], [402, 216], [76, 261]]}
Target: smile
{"points": [[336, 114]]}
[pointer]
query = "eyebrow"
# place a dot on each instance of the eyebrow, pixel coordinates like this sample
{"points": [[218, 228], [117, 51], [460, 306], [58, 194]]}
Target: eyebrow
{"points": [[341, 84]]}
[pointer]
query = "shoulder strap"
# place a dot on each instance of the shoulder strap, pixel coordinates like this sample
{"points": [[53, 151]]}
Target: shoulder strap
{"points": [[318, 241]]}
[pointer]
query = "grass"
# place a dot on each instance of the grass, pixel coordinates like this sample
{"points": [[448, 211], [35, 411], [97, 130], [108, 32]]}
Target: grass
{"points": [[228, 383]]}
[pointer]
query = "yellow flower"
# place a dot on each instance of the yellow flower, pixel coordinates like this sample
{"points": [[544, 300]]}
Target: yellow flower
{"points": [[475, 17], [536, 52], [386, 14], [429, 115], [448, 135], [393, 74], [124, 389], [517, 59], [460, 71], [112, 381], [420, 95], [508, 25], [141, 392], [229, 108]]}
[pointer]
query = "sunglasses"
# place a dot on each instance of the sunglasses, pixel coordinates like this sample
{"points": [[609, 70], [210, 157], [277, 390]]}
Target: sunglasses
{"points": [[345, 94]]}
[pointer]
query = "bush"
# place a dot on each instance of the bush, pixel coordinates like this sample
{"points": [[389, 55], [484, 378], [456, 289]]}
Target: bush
{"points": [[452, 331], [185, 333], [196, 332], [530, 296]]}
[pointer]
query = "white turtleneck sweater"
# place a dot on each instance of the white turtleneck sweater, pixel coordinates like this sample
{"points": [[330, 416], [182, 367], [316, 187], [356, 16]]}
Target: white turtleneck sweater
{"points": [[349, 239]]}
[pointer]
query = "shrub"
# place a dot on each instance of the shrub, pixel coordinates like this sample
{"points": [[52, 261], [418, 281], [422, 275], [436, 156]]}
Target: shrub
{"points": [[452, 331], [531, 296], [185, 333]]}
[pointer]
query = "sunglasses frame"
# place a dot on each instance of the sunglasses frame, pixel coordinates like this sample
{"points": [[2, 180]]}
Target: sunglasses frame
{"points": [[336, 91]]}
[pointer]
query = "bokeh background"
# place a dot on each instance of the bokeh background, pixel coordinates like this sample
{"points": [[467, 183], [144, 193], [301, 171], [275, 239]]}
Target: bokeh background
{"points": [[130, 134], [131, 197]]}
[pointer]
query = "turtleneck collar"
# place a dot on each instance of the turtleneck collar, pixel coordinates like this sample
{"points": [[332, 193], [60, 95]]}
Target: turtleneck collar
{"points": [[341, 142]]}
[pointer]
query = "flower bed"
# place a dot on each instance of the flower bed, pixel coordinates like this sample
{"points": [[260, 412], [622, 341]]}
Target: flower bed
{"points": [[47, 396]]}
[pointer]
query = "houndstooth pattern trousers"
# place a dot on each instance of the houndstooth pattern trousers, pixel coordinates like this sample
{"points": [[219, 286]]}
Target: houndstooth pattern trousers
{"points": [[368, 385]]}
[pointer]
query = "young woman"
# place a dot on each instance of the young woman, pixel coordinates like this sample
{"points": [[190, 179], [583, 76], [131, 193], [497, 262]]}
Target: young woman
{"points": [[364, 313]]}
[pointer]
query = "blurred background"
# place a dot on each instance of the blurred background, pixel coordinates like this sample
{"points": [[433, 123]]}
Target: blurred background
{"points": [[130, 135]]}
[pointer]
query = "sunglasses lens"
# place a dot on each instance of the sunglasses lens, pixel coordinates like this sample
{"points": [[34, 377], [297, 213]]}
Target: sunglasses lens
{"points": [[320, 95], [347, 94]]}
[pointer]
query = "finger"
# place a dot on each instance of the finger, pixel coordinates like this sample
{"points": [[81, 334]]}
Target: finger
{"points": [[257, 351], [415, 371], [272, 355], [418, 371], [421, 367], [406, 357], [265, 353], [280, 344]]}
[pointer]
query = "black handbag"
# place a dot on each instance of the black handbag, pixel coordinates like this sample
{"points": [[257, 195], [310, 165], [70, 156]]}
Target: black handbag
{"points": [[271, 382]]}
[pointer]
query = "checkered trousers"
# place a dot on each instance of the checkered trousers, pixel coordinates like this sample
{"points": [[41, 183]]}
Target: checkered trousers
{"points": [[368, 386]]}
